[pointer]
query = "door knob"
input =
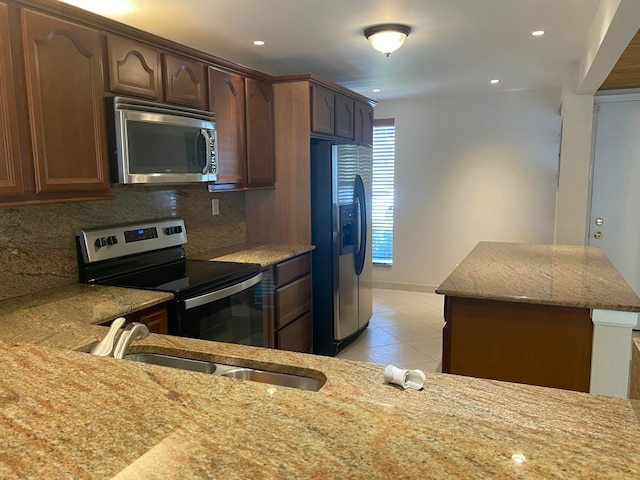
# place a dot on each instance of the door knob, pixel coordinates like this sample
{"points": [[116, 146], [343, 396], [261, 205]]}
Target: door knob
{"points": [[597, 235]]}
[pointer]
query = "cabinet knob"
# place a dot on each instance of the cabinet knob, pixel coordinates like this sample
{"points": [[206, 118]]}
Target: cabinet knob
{"points": [[597, 235]]}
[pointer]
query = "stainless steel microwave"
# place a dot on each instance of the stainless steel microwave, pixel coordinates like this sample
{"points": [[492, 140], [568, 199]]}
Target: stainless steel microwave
{"points": [[160, 144]]}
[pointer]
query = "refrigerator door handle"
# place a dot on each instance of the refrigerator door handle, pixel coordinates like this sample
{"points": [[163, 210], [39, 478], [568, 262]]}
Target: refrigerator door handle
{"points": [[359, 193]]}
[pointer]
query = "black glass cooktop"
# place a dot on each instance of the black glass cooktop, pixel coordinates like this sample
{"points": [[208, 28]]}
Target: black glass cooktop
{"points": [[187, 277]]}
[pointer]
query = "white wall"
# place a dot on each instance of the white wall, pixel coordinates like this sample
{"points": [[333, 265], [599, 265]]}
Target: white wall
{"points": [[469, 168]]}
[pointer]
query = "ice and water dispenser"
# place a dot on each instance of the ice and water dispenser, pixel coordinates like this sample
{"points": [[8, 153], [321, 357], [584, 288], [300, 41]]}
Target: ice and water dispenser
{"points": [[348, 229]]}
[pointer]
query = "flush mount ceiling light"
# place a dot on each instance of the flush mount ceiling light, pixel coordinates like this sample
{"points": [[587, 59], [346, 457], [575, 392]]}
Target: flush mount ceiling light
{"points": [[387, 38]]}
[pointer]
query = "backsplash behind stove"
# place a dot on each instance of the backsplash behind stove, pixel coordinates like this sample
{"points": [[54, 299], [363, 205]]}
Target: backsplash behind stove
{"points": [[37, 245]]}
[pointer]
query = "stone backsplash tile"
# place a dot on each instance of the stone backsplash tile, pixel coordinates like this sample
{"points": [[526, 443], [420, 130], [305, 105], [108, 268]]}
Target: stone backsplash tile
{"points": [[37, 245]]}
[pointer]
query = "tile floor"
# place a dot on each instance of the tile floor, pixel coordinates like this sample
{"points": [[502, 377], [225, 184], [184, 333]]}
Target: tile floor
{"points": [[405, 330]]}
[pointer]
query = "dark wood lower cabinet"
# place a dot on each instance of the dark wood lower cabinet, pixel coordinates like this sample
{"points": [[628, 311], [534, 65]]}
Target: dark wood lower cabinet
{"points": [[155, 318], [528, 343], [288, 306], [297, 336]]}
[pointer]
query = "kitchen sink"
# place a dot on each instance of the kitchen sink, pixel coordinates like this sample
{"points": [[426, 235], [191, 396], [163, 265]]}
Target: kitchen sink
{"points": [[273, 378], [229, 371], [201, 366]]}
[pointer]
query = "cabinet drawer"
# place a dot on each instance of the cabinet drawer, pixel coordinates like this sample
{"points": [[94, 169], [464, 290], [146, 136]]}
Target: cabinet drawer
{"points": [[292, 301], [298, 335], [292, 269]]}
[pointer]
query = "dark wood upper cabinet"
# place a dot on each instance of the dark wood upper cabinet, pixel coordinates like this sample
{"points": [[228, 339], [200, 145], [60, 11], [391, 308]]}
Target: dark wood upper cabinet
{"points": [[363, 132], [64, 84], [344, 121], [134, 68], [260, 133], [184, 81], [10, 162], [322, 110], [227, 102]]}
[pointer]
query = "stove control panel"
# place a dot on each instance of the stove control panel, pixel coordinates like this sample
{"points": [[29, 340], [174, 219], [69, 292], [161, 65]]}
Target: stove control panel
{"points": [[105, 243]]}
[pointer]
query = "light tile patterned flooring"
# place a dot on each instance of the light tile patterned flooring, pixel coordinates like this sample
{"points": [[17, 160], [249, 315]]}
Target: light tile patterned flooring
{"points": [[405, 330]]}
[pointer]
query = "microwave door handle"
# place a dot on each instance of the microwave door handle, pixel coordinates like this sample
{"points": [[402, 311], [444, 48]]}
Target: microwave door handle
{"points": [[206, 168], [210, 297]]}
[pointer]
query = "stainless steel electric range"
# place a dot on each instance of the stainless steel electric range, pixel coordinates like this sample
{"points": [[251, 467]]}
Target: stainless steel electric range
{"points": [[213, 300]]}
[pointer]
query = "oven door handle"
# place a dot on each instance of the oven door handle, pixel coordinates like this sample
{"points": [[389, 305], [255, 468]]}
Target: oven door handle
{"points": [[190, 303]]}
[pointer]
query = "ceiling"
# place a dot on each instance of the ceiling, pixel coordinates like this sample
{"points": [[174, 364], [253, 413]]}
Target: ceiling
{"points": [[455, 47]]}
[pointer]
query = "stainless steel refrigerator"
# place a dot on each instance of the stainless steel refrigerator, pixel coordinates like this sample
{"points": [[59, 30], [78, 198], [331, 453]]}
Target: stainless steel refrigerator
{"points": [[341, 177]]}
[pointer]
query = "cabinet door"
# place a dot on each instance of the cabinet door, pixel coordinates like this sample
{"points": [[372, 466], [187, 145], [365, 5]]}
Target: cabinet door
{"points": [[226, 100], [65, 96], [156, 319], [134, 68], [184, 81], [344, 121], [260, 141], [322, 110], [10, 164], [364, 124]]}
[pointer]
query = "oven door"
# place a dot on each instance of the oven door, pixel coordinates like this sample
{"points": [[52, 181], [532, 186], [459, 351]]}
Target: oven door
{"points": [[232, 314]]}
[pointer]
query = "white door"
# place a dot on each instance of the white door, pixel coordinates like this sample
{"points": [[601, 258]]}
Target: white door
{"points": [[615, 200]]}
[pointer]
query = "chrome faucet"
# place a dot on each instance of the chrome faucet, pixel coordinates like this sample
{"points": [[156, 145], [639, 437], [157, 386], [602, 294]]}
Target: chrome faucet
{"points": [[133, 331]]}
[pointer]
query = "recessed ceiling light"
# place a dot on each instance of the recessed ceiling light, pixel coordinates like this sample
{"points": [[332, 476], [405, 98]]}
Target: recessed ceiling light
{"points": [[538, 33], [258, 42], [495, 81], [376, 90]]}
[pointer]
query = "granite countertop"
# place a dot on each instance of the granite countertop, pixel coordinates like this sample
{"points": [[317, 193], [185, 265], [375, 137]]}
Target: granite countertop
{"points": [[68, 414], [566, 275], [90, 417], [265, 255], [68, 316]]}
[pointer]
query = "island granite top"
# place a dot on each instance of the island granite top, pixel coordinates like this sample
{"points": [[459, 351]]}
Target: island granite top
{"points": [[565, 275]]}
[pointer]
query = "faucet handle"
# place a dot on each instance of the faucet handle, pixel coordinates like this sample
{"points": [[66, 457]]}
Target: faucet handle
{"points": [[133, 331], [104, 347]]}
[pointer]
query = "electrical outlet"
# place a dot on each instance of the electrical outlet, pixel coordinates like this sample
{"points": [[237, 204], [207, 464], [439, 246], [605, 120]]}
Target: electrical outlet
{"points": [[215, 206]]}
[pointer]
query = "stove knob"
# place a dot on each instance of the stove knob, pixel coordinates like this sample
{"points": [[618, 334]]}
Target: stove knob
{"points": [[112, 240], [178, 229], [100, 242], [168, 230]]}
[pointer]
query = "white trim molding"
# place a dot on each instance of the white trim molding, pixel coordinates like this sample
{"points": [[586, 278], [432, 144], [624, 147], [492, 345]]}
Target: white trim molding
{"points": [[611, 352]]}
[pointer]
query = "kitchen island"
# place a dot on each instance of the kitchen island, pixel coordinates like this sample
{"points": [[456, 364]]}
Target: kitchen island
{"points": [[68, 414], [550, 315]]}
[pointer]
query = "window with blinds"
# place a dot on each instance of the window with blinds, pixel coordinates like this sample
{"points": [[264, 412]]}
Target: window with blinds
{"points": [[384, 151]]}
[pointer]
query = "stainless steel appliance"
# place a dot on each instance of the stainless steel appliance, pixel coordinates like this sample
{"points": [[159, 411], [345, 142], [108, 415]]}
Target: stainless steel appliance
{"points": [[341, 177], [219, 301], [156, 143]]}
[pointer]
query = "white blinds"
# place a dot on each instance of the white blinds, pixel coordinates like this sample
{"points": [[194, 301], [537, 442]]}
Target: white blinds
{"points": [[384, 149]]}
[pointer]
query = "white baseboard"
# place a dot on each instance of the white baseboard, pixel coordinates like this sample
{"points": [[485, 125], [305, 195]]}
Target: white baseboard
{"points": [[409, 287]]}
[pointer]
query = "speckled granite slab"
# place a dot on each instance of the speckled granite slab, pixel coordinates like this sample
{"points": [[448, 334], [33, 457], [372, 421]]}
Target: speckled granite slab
{"points": [[265, 255], [568, 275], [60, 316], [89, 417], [69, 414]]}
